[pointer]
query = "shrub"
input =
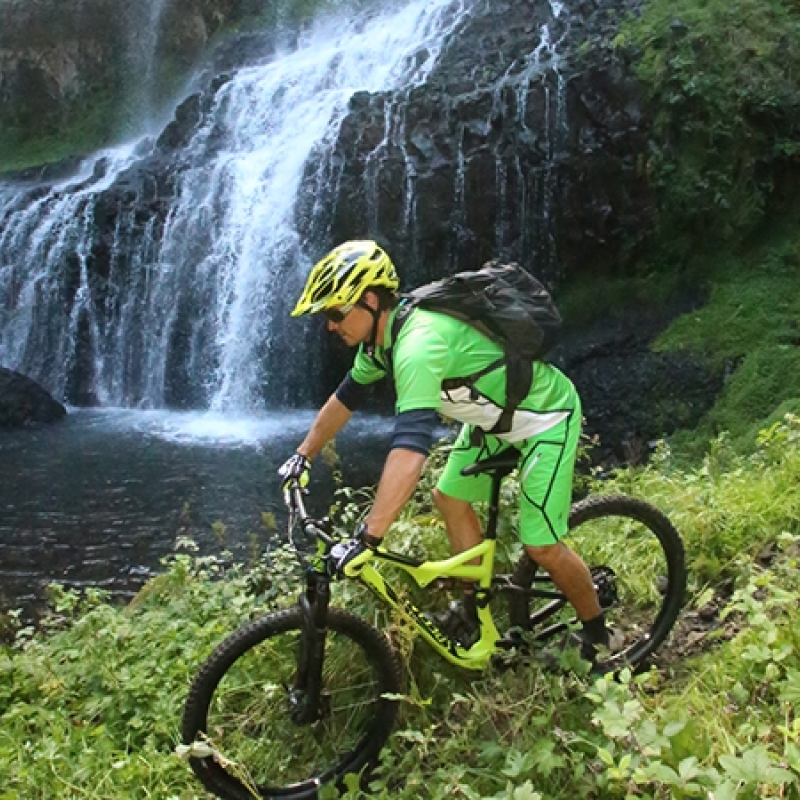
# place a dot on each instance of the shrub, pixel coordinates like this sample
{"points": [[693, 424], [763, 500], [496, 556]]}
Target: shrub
{"points": [[722, 80]]}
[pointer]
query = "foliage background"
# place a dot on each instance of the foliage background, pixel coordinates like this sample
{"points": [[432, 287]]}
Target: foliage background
{"points": [[722, 81]]}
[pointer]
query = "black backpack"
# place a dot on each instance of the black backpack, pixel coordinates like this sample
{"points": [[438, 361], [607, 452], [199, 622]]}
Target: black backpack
{"points": [[507, 305]]}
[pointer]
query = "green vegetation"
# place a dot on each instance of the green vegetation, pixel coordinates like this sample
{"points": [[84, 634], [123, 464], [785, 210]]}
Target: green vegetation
{"points": [[85, 131], [747, 330], [750, 327], [585, 302], [91, 702], [724, 85]]}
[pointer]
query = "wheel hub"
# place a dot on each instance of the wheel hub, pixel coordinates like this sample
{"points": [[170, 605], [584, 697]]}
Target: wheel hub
{"points": [[605, 584]]}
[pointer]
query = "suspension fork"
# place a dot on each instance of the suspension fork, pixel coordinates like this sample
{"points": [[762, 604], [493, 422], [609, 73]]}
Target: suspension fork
{"points": [[306, 694]]}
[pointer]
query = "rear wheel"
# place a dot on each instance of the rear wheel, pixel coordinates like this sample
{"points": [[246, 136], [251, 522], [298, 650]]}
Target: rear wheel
{"points": [[244, 706], [637, 562]]}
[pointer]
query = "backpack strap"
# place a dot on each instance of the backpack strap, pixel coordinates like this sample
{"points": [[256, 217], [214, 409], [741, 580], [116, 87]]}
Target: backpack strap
{"points": [[519, 377], [519, 371], [448, 384], [404, 312]]}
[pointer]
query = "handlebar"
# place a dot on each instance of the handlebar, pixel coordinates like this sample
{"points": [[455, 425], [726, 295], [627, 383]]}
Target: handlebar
{"points": [[293, 498], [321, 532]]}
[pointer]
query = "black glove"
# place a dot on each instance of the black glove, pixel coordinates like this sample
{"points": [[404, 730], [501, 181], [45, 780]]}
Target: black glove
{"points": [[296, 468], [342, 553]]}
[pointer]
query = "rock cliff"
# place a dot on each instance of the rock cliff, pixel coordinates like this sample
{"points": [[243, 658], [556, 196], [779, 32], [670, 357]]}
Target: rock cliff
{"points": [[90, 69]]}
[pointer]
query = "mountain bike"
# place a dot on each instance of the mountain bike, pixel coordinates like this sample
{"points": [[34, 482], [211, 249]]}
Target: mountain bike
{"points": [[304, 696]]}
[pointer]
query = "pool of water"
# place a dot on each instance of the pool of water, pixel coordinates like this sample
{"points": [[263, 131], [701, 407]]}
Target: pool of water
{"points": [[100, 498]]}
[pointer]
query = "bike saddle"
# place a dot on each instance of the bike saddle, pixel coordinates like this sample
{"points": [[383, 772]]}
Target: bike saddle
{"points": [[503, 463]]}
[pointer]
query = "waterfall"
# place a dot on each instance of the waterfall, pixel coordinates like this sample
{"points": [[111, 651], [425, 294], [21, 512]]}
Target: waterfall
{"points": [[143, 47], [532, 192], [46, 305], [191, 307]]}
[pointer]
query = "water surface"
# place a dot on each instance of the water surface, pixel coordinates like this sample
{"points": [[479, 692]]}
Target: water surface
{"points": [[100, 498]]}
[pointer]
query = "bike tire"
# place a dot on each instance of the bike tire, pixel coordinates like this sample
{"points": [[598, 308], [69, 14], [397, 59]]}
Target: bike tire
{"points": [[644, 550], [239, 705]]}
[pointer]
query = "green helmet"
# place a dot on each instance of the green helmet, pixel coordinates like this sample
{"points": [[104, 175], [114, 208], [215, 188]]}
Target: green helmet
{"points": [[344, 274]]}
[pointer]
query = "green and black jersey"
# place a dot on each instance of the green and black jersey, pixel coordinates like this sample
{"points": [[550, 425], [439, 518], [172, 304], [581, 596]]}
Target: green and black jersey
{"points": [[434, 347]]}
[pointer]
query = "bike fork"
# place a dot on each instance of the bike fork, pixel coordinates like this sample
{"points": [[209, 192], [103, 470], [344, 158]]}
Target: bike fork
{"points": [[306, 695]]}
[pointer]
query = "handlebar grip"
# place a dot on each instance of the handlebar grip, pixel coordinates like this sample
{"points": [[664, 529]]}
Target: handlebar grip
{"points": [[293, 498]]}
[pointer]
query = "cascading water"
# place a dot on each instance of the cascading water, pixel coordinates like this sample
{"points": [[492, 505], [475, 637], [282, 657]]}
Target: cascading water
{"points": [[45, 298], [141, 58], [190, 306], [149, 47], [534, 193]]}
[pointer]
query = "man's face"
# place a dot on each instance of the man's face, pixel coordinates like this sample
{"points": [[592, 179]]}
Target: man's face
{"points": [[353, 323]]}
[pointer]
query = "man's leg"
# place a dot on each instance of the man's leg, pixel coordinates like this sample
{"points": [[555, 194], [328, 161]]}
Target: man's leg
{"points": [[455, 493], [453, 498], [570, 575], [546, 470], [460, 520]]}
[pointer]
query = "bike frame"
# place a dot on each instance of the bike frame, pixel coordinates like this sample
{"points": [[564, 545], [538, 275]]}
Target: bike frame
{"points": [[366, 568]]}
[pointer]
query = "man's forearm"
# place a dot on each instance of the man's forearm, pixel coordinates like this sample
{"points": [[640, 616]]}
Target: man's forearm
{"points": [[332, 417], [400, 477]]}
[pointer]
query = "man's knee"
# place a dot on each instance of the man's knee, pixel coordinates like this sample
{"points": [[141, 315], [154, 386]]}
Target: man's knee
{"points": [[445, 502], [546, 555]]}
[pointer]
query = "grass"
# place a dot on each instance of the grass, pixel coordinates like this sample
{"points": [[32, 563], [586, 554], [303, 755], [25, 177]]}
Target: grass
{"points": [[586, 301], [748, 328]]}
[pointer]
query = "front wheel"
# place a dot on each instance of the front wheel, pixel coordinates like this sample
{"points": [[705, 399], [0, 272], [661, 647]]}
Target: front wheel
{"points": [[636, 559], [242, 708]]}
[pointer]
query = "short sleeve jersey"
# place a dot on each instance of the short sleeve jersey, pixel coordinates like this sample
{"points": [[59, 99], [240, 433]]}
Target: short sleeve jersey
{"points": [[433, 347]]}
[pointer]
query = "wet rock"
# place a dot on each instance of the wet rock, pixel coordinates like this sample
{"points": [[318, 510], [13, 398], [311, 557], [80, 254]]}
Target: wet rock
{"points": [[633, 395], [180, 130], [526, 143], [24, 402]]}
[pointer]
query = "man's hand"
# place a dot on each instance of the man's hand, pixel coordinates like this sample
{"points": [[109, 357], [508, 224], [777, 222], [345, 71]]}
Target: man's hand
{"points": [[343, 553], [297, 468]]}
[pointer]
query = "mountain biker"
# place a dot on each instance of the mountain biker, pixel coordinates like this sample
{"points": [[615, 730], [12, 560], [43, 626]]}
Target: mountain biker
{"points": [[355, 288]]}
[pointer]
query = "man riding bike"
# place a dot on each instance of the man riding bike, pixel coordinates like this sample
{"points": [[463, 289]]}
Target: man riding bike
{"points": [[355, 288]]}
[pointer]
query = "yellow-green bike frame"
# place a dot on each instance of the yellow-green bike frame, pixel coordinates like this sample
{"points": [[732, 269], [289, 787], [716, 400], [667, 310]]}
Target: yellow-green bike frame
{"points": [[366, 568]]}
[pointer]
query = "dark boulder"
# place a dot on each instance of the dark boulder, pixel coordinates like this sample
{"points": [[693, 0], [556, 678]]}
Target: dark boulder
{"points": [[24, 402]]}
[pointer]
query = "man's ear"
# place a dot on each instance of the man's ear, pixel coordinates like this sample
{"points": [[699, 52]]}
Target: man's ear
{"points": [[370, 299]]}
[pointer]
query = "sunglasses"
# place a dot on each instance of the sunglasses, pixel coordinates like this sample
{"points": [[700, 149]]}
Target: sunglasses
{"points": [[337, 315]]}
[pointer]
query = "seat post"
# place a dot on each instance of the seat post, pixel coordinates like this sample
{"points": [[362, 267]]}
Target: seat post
{"points": [[498, 466], [494, 502]]}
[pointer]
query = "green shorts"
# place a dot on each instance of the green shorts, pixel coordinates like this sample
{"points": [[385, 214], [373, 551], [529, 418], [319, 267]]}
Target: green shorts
{"points": [[547, 463]]}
